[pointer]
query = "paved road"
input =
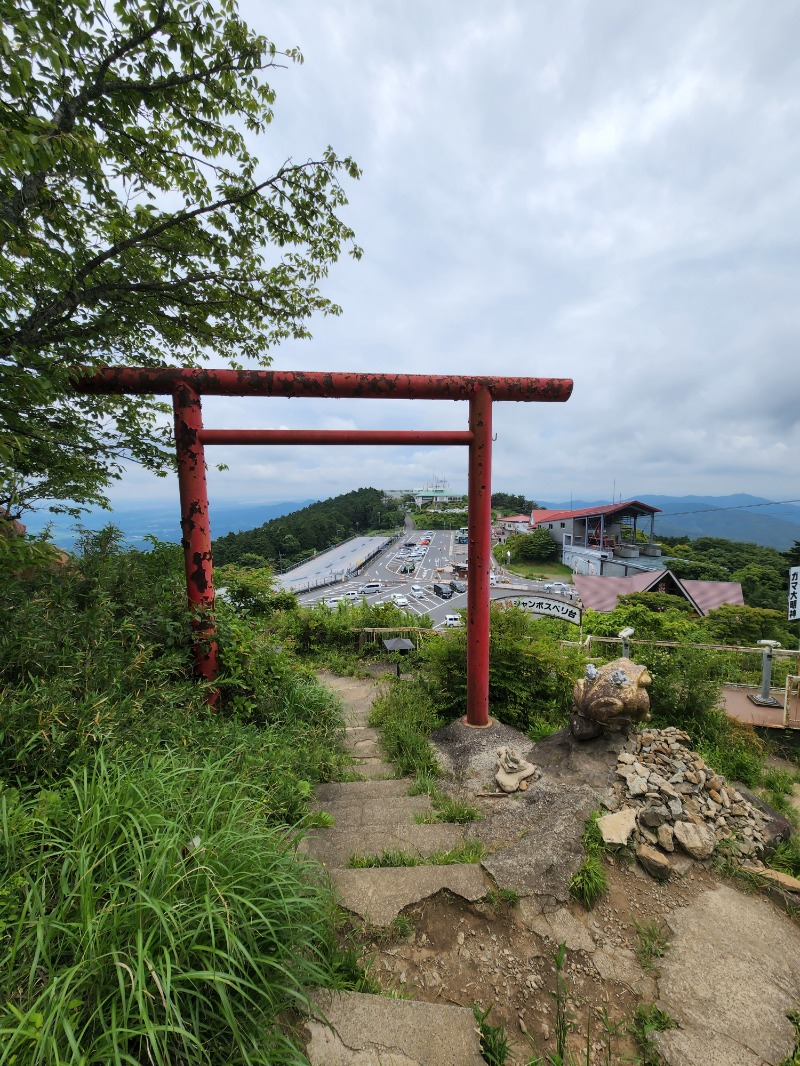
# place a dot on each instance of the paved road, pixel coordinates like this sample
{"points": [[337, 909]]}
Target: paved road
{"points": [[434, 566]]}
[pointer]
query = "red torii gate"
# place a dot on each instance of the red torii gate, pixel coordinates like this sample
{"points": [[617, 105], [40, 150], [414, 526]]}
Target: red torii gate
{"points": [[186, 386]]}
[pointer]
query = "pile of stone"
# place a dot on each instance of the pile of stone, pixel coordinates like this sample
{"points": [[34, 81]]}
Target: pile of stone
{"points": [[668, 800]]}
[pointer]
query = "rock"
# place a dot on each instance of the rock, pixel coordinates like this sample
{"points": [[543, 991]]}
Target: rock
{"points": [[584, 728], [665, 837], [791, 884], [653, 816], [637, 786], [696, 840], [512, 769], [675, 809], [654, 861], [776, 827], [617, 828]]}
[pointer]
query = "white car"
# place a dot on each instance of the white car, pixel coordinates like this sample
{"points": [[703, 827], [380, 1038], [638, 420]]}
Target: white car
{"points": [[351, 594], [333, 601], [417, 591], [452, 621], [558, 587], [399, 601]]}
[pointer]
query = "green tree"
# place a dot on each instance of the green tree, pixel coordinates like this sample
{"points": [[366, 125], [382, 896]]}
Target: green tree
{"points": [[694, 570], [792, 556], [732, 624], [138, 227], [531, 547], [504, 501], [762, 586]]}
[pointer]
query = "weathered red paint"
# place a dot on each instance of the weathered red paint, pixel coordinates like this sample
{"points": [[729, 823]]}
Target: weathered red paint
{"points": [[333, 436], [195, 528], [186, 385], [479, 532], [298, 383]]}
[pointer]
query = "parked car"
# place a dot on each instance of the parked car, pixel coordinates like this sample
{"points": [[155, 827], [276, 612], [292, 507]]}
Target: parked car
{"points": [[351, 594], [408, 568], [442, 590], [452, 621], [417, 591], [399, 601], [370, 588], [492, 579], [410, 544], [558, 587], [458, 586], [333, 601]]}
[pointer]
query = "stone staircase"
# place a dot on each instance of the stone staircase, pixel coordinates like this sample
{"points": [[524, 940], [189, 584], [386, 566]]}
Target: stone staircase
{"points": [[370, 817]]}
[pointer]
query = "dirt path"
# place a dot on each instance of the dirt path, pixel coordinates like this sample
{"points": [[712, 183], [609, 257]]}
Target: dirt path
{"points": [[729, 974]]}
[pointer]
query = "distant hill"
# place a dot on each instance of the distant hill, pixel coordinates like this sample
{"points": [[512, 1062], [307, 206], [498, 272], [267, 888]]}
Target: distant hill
{"points": [[738, 517], [292, 538], [163, 521]]}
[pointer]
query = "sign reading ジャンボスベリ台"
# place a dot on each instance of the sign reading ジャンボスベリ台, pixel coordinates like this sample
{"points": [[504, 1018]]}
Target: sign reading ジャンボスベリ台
{"points": [[546, 605]]}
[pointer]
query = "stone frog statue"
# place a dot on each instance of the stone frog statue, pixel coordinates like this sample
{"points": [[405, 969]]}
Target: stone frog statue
{"points": [[612, 695]]}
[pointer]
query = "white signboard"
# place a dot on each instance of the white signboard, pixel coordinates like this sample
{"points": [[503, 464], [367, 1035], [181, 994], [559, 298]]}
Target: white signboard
{"points": [[794, 587], [546, 605]]}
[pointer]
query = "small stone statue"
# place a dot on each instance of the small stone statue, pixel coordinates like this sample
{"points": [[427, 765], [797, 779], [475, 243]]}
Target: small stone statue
{"points": [[614, 695], [512, 770]]}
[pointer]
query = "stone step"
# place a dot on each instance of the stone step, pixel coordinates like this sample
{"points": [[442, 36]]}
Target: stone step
{"points": [[374, 810], [372, 769], [362, 743], [367, 1030], [333, 847], [342, 790], [378, 895]]}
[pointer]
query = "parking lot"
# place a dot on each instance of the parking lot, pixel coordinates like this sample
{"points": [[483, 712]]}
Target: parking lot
{"points": [[408, 572]]}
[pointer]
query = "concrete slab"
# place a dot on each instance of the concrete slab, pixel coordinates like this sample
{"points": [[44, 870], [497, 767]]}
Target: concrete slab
{"points": [[359, 732], [375, 810], [373, 769], [379, 895], [566, 925], [362, 745], [341, 790], [378, 1031], [333, 847], [730, 976], [545, 827]]}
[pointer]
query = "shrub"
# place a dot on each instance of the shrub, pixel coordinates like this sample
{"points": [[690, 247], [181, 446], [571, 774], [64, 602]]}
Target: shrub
{"points": [[530, 674], [155, 917]]}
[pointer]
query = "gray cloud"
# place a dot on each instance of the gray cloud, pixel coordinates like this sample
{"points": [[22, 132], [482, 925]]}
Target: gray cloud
{"points": [[603, 191]]}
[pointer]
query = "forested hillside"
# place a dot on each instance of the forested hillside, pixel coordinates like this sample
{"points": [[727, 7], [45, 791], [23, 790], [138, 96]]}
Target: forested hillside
{"points": [[762, 572], [290, 539]]}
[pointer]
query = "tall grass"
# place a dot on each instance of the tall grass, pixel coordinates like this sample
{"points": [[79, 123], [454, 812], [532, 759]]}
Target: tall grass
{"points": [[405, 713], [150, 914], [152, 906]]}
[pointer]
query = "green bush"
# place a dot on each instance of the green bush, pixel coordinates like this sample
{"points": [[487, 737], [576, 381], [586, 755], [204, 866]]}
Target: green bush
{"points": [[530, 674], [150, 914]]}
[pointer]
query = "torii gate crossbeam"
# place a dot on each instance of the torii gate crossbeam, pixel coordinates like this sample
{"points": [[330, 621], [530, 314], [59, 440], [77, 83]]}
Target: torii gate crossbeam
{"points": [[187, 386]]}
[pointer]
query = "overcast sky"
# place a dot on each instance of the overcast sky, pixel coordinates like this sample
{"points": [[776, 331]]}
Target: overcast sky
{"points": [[607, 191]]}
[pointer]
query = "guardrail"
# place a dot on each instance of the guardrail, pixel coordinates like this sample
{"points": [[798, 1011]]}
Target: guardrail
{"points": [[338, 577]]}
